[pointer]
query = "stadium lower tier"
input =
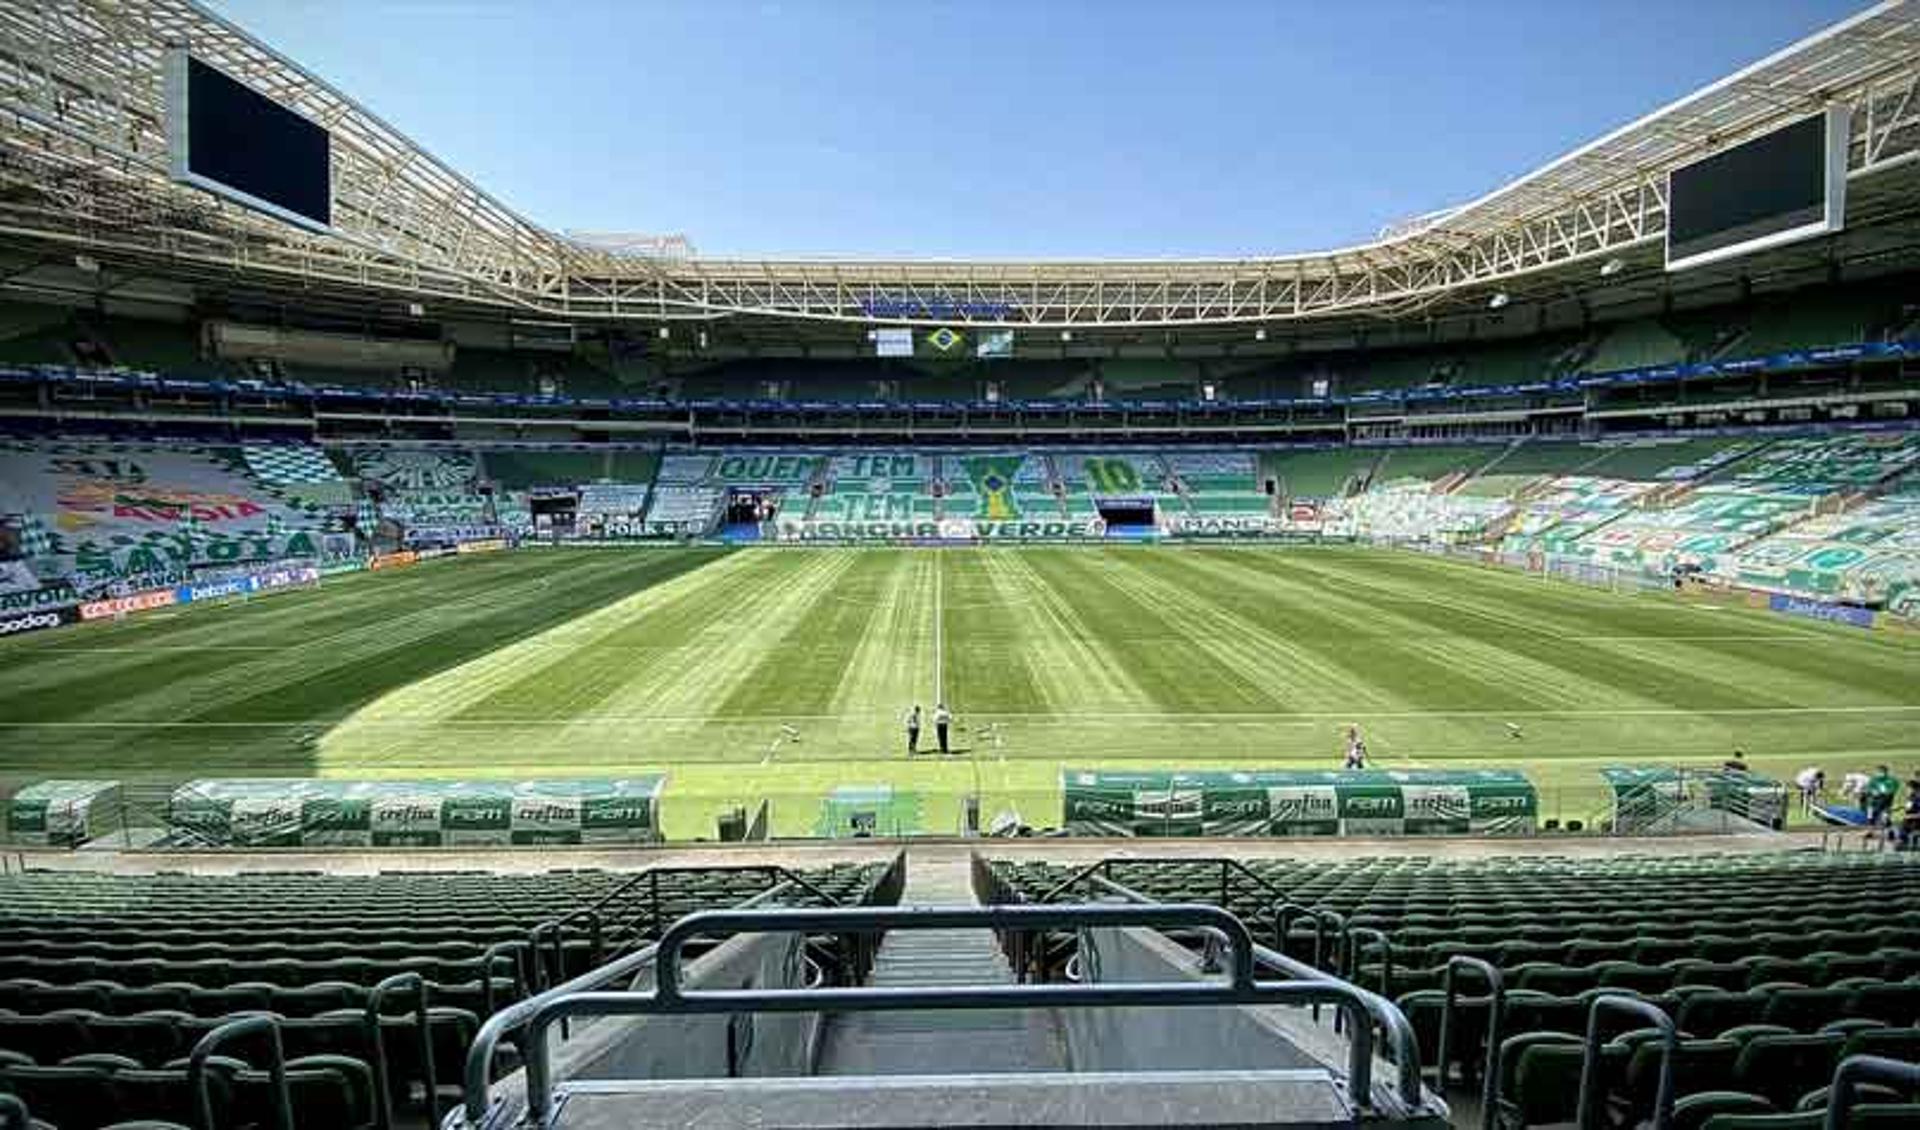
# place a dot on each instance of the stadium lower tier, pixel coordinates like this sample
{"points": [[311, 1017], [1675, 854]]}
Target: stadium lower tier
{"points": [[1772, 969], [379, 984]]}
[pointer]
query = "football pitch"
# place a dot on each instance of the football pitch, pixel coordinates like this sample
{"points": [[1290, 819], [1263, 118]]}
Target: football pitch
{"points": [[784, 673]]}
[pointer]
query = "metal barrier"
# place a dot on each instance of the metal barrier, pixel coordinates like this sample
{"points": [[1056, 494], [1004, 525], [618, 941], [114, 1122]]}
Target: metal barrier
{"points": [[1496, 999], [276, 1066], [382, 1071], [1393, 1022], [1585, 1116], [501, 1025], [1865, 1069], [13, 1114], [670, 998]]}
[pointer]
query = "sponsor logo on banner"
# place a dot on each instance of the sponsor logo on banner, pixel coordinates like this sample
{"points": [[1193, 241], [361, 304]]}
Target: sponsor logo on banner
{"points": [[392, 560], [485, 545], [121, 605], [1821, 610], [270, 821], [336, 568], [1222, 525], [239, 586], [53, 596], [33, 622]]}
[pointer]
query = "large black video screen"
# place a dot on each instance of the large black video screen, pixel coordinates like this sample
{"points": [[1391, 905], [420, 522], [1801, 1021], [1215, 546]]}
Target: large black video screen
{"points": [[230, 139], [1757, 194]]}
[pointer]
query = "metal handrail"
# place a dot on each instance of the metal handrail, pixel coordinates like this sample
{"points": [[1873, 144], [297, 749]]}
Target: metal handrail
{"points": [[276, 1066], [13, 1113], [1399, 1032], [1590, 1059], [670, 997], [479, 1065], [1865, 1069], [1496, 1007], [382, 1070]]}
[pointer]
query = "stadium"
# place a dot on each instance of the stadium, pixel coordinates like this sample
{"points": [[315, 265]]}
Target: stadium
{"points": [[460, 673]]}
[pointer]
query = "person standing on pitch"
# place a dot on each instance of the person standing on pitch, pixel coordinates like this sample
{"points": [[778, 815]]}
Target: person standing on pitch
{"points": [[913, 730], [942, 719]]}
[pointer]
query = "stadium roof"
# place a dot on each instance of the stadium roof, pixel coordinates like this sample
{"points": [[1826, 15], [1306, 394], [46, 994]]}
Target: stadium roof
{"points": [[83, 170]]}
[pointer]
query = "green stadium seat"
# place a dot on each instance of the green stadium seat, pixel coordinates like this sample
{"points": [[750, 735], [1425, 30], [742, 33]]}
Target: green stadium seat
{"points": [[1782, 1068], [1897, 1003], [1698, 1065], [1806, 1010], [1691, 1112], [66, 1097]]}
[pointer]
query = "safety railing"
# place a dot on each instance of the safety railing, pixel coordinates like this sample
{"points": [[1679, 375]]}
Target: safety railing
{"points": [[506, 1025], [670, 997], [1382, 1012], [1586, 1116], [13, 1114], [1865, 1069], [382, 1069], [276, 1067], [1496, 1002], [599, 918]]}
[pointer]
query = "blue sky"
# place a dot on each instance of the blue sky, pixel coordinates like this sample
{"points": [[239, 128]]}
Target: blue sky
{"points": [[1005, 128]]}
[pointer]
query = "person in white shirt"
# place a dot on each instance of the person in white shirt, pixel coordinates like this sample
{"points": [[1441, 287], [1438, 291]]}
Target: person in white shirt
{"points": [[1812, 781], [913, 730], [942, 719]]}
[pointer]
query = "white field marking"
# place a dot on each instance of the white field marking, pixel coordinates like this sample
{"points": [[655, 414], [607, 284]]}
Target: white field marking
{"points": [[139, 647], [939, 615], [1057, 718]]}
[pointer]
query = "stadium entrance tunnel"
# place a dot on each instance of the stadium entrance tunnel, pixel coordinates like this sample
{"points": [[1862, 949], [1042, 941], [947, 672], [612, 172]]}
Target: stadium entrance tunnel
{"points": [[954, 1006]]}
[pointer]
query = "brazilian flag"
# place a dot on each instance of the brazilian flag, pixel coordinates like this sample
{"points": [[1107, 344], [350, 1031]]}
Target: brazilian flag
{"points": [[992, 477]]}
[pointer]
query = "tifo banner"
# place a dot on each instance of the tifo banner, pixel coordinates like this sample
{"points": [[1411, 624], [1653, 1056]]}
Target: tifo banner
{"points": [[63, 813], [1296, 802], [272, 812], [120, 510], [1821, 610], [51, 596]]}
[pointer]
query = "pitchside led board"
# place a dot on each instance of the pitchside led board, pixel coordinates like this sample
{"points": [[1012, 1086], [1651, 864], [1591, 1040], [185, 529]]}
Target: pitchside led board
{"points": [[1785, 186], [227, 138]]}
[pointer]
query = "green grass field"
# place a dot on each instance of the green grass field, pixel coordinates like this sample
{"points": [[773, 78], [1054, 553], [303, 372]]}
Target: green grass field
{"points": [[597, 662]]}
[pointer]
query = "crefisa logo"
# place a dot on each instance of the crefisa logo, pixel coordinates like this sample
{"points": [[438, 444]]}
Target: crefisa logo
{"points": [[32, 622]]}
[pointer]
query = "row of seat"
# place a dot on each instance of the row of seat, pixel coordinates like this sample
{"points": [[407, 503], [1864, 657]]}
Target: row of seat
{"points": [[1814, 970], [328, 1093], [1785, 1071], [108, 998]]}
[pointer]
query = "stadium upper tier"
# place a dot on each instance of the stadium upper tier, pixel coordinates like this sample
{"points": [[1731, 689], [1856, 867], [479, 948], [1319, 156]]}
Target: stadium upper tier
{"points": [[86, 140], [1826, 326]]}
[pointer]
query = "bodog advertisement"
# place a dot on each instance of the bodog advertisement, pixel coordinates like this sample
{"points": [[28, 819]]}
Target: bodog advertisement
{"points": [[17, 623]]}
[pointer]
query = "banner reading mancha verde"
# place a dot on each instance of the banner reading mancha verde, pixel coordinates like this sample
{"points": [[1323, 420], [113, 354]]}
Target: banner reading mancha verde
{"points": [[63, 813], [275, 812], [1296, 802]]}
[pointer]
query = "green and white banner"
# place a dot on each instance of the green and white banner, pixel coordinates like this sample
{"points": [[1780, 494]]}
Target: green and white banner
{"points": [[941, 529], [272, 812], [63, 813], [1296, 802]]}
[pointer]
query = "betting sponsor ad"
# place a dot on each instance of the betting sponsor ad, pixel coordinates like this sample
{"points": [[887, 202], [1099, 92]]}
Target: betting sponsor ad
{"points": [[20, 623]]}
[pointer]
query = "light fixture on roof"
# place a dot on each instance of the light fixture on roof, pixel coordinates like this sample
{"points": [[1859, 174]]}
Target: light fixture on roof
{"points": [[1260, 334], [1500, 298], [1611, 267], [665, 333], [416, 310], [703, 339], [87, 263], [1066, 335]]}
